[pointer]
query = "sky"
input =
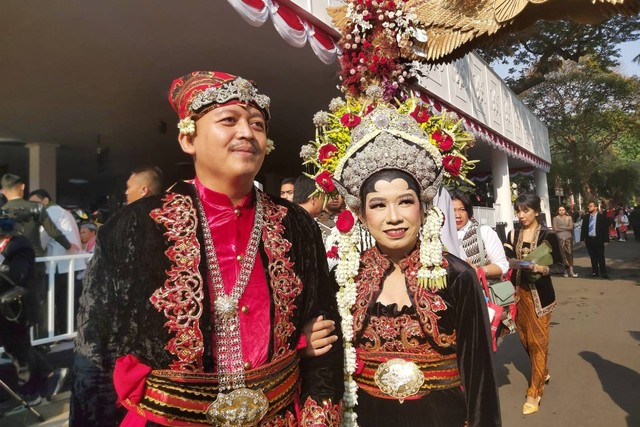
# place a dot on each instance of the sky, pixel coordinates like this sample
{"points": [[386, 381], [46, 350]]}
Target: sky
{"points": [[628, 51]]}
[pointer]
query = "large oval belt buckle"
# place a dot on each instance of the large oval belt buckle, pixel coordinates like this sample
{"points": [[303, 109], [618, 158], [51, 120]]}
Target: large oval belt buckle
{"points": [[399, 378], [242, 407]]}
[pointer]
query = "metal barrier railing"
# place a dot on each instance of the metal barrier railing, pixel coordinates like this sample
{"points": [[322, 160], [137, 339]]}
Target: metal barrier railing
{"points": [[46, 330]]}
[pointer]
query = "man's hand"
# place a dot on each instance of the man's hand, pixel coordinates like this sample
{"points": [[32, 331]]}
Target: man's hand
{"points": [[319, 339], [74, 249]]}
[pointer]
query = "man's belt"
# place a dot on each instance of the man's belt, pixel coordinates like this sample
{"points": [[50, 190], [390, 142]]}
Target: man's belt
{"points": [[176, 398], [406, 376]]}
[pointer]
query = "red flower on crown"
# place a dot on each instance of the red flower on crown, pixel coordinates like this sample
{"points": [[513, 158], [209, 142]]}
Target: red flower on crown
{"points": [[345, 221], [420, 114], [444, 141], [325, 181], [326, 152], [350, 120], [452, 164]]}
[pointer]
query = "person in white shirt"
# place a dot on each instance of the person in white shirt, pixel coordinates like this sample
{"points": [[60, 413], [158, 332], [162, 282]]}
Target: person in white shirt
{"points": [[488, 256], [66, 223]]}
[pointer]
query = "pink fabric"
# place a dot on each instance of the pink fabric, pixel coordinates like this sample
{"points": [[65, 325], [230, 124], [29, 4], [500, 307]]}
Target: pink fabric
{"points": [[230, 234], [129, 378]]}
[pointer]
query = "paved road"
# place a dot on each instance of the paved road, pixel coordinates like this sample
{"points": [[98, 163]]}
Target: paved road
{"points": [[594, 354]]}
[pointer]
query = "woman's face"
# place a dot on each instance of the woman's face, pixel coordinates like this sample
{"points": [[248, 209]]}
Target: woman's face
{"points": [[527, 216], [561, 211], [393, 215]]}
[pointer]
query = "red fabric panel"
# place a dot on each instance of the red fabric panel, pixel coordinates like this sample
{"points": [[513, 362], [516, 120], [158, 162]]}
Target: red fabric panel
{"points": [[325, 39], [256, 4], [289, 17]]}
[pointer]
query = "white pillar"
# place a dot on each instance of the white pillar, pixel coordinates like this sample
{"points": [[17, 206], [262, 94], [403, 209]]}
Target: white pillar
{"points": [[542, 191], [42, 167], [502, 188]]}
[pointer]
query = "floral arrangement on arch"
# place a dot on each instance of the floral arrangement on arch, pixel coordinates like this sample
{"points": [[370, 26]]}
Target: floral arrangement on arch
{"points": [[378, 38], [333, 136]]}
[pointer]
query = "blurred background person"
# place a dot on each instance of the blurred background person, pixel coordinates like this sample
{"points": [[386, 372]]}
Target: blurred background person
{"points": [[304, 196], [17, 260], [66, 223], [621, 223], [287, 188], [144, 181], [634, 219], [595, 233], [563, 227], [488, 254], [30, 216], [535, 297], [88, 231]]}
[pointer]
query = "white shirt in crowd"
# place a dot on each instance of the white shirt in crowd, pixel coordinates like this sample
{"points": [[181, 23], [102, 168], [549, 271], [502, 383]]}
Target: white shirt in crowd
{"points": [[66, 223], [493, 249]]}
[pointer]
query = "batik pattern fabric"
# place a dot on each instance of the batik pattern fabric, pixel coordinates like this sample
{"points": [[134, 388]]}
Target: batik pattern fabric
{"points": [[444, 332], [127, 308]]}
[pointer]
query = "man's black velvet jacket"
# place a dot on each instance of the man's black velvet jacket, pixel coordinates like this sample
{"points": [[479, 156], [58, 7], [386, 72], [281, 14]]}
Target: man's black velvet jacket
{"points": [[116, 316]]}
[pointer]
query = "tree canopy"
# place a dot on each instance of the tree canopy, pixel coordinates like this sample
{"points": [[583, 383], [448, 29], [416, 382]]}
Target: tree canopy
{"points": [[542, 49], [593, 117]]}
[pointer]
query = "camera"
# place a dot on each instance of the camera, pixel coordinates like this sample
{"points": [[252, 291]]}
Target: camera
{"points": [[22, 214]]}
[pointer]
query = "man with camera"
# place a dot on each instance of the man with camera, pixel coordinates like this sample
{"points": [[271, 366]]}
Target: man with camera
{"points": [[29, 216], [17, 305]]}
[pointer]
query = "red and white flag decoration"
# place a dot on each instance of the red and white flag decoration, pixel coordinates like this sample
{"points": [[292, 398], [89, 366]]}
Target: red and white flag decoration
{"points": [[293, 28]]}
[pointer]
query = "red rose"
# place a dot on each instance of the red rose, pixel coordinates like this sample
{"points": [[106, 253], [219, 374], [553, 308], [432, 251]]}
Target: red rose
{"points": [[326, 151], [350, 120], [420, 114], [345, 221], [325, 181], [333, 252], [452, 164], [444, 141]]}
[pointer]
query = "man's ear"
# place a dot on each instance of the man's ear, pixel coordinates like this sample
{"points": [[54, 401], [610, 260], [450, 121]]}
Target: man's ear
{"points": [[186, 143], [144, 190]]}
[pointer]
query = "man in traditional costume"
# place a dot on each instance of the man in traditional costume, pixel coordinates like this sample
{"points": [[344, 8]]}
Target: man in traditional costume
{"points": [[195, 299]]}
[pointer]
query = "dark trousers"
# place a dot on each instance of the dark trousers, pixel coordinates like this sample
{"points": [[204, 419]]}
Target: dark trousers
{"points": [[595, 248], [17, 343]]}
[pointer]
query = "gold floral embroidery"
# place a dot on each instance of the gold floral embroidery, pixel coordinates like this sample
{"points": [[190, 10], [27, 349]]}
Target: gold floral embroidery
{"points": [[180, 299], [320, 415]]}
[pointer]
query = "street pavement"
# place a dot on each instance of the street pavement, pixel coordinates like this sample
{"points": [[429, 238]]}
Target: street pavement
{"points": [[594, 355], [594, 351]]}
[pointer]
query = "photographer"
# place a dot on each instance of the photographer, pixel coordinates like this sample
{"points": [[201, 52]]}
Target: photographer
{"points": [[29, 217], [17, 261]]}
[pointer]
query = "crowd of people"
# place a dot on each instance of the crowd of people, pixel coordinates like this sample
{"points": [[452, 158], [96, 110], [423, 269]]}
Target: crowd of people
{"points": [[358, 303]]}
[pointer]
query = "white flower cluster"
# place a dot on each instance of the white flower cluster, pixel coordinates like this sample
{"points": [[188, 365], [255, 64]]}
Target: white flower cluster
{"points": [[347, 269], [270, 146], [307, 151], [336, 104], [187, 126], [321, 118], [431, 273]]}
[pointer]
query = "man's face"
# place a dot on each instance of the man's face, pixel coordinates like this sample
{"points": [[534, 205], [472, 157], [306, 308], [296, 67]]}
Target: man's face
{"points": [[86, 234], [286, 191], [591, 207], [136, 188], [335, 204], [42, 200], [460, 214], [229, 144]]}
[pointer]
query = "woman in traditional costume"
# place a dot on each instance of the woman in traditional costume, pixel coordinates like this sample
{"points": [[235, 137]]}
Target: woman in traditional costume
{"points": [[535, 297], [414, 320], [563, 227]]}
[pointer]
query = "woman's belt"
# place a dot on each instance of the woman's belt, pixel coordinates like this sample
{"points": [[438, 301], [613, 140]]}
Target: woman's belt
{"points": [[406, 376], [178, 398]]}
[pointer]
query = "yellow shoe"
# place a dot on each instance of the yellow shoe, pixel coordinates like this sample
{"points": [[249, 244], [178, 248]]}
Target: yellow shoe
{"points": [[531, 408]]}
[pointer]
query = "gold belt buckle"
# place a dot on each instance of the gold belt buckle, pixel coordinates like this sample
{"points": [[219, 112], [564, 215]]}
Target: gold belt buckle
{"points": [[399, 378], [242, 407]]}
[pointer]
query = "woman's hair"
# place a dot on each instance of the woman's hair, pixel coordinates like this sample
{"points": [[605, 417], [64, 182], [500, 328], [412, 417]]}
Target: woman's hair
{"points": [[528, 200], [464, 199], [368, 186]]}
